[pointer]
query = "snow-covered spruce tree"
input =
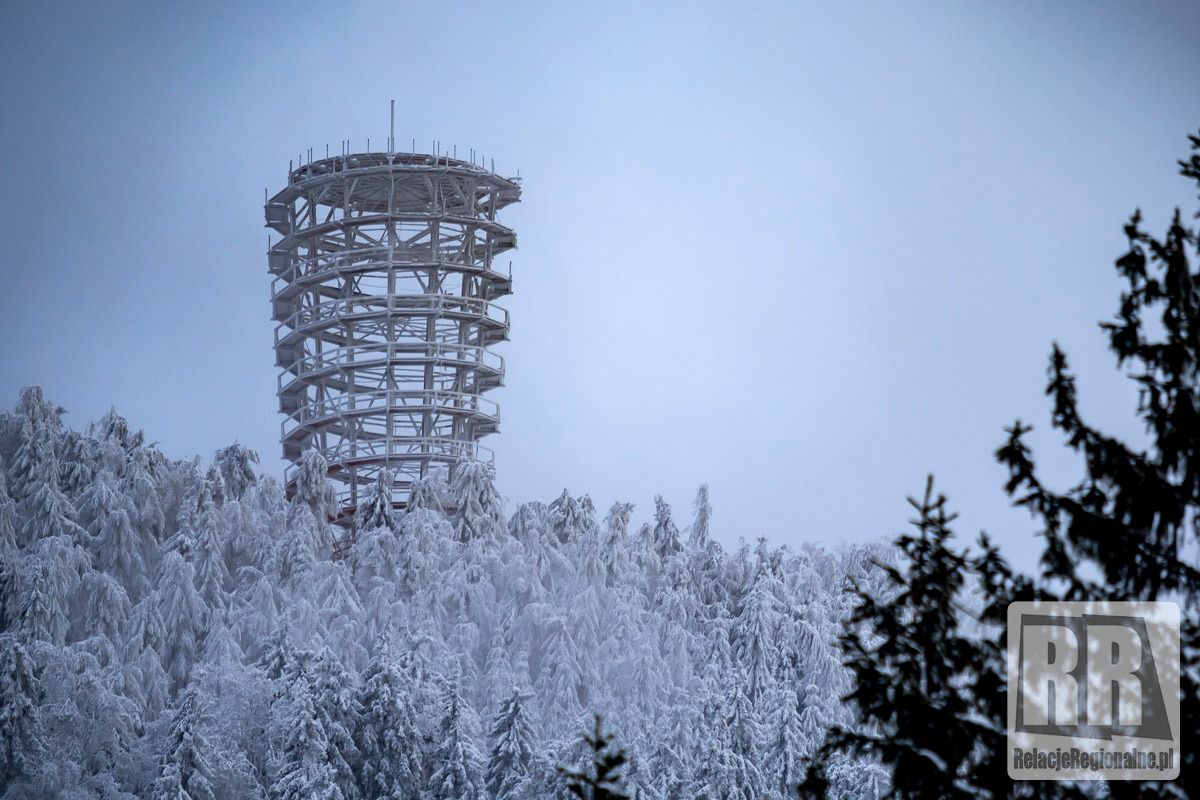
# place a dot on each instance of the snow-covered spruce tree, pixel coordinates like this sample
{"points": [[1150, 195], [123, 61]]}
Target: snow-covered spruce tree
{"points": [[39, 428], [8, 513], [745, 741], [338, 709], [457, 765], [235, 466], [145, 682], [105, 608], [145, 628], [21, 742], [78, 466], [720, 773], [376, 510], [428, 493], [10, 558], [188, 764], [214, 483], [300, 768], [50, 576], [47, 511], [37, 618], [666, 535], [209, 536], [529, 524], [511, 767], [89, 724], [698, 531], [566, 517], [561, 673], [756, 634], [184, 615], [316, 497], [115, 441], [278, 655], [783, 768], [672, 762], [144, 483], [390, 744], [306, 543], [119, 548], [478, 509], [616, 541]]}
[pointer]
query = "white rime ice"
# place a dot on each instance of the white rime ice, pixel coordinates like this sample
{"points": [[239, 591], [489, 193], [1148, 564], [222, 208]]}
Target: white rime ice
{"points": [[174, 629]]}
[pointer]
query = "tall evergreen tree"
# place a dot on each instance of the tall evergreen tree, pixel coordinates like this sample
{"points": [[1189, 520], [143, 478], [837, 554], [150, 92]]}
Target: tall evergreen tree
{"points": [[566, 517], [184, 615], [76, 465], [235, 465], [54, 572], [314, 505], [600, 779], [387, 736], [744, 742], [563, 673], [300, 765], [141, 484], [188, 766], [277, 655], [21, 740], [48, 512], [510, 769], [698, 533], [478, 509], [339, 712], [913, 671], [114, 430], [212, 573], [39, 618], [783, 766], [458, 767], [120, 548], [666, 535], [932, 694], [756, 634], [8, 515], [428, 493], [376, 510], [39, 426], [106, 607]]}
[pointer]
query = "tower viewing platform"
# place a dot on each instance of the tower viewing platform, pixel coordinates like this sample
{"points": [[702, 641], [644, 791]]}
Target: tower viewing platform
{"points": [[384, 290]]}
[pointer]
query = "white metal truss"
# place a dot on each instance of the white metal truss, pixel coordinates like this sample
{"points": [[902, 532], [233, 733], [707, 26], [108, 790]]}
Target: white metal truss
{"points": [[383, 294]]}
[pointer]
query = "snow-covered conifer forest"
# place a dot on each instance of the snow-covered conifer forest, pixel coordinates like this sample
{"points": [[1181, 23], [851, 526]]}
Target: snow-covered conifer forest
{"points": [[181, 629]]}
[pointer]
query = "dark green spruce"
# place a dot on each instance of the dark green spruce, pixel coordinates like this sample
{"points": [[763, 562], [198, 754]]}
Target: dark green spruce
{"points": [[928, 660], [601, 779]]}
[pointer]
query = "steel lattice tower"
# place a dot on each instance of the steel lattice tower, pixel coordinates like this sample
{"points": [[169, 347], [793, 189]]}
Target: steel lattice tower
{"points": [[384, 280]]}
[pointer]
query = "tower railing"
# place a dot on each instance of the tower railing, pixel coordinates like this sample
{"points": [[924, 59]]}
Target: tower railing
{"points": [[384, 278]]}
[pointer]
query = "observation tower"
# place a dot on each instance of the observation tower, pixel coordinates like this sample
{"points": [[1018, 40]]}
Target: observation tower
{"points": [[384, 286]]}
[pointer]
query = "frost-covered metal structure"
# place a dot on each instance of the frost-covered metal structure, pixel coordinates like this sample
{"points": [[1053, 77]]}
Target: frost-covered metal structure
{"points": [[384, 297]]}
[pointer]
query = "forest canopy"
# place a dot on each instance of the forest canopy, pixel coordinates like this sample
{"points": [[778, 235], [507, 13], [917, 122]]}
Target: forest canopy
{"points": [[172, 629]]}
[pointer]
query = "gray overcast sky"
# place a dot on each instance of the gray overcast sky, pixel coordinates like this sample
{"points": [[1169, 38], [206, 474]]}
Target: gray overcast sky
{"points": [[807, 253]]}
